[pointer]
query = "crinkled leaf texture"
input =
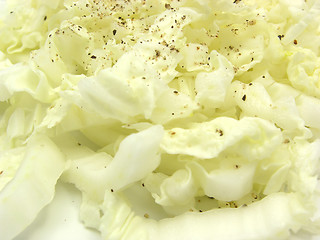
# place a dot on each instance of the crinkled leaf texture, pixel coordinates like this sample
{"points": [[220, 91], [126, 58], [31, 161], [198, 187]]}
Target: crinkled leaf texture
{"points": [[176, 120], [252, 138], [270, 218], [137, 156]]}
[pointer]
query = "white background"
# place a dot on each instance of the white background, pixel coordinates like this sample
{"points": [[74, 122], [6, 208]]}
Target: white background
{"points": [[60, 219]]}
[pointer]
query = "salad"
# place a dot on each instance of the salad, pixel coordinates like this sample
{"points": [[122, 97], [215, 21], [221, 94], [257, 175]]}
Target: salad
{"points": [[176, 119]]}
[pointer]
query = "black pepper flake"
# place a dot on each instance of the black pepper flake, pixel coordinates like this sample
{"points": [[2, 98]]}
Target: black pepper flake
{"points": [[93, 57], [235, 31], [200, 210], [111, 190], [254, 196], [236, 1], [142, 184], [114, 32], [295, 42], [235, 69], [250, 84], [244, 97], [220, 132], [175, 91], [280, 36], [252, 22], [286, 141], [45, 18], [174, 49], [167, 6]]}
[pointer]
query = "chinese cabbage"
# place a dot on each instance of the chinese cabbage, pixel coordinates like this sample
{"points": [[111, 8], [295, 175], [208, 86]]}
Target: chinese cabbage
{"points": [[34, 182]]}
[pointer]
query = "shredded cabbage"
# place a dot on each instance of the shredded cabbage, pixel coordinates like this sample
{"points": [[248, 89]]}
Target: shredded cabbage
{"points": [[175, 119]]}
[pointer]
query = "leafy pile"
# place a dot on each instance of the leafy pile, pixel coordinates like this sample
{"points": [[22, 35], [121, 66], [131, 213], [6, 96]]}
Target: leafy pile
{"points": [[175, 119]]}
